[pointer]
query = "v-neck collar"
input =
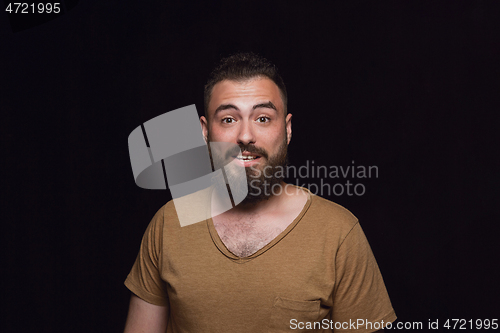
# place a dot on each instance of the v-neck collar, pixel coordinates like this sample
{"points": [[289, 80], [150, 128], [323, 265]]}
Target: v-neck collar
{"points": [[225, 251]]}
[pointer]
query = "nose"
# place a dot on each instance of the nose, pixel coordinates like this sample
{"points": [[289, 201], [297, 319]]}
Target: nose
{"points": [[246, 134]]}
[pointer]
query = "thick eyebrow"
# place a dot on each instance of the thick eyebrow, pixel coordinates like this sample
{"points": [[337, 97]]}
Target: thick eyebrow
{"points": [[268, 105], [225, 107]]}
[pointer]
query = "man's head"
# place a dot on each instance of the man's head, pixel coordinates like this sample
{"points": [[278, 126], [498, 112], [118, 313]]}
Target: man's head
{"points": [[242, 67], [245, 106]]}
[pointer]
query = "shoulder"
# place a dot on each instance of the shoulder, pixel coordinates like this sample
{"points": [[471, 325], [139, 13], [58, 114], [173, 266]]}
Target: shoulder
{"points": [[326, 222], [325, 209], [331, 209], [166, 216], [168, 212], [166, 219], [330, 218]]}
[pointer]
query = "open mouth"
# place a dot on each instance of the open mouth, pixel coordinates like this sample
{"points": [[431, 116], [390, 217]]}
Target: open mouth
{"points": [[247, 157]]}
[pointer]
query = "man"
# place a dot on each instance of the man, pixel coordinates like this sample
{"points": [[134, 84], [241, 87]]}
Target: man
{"points": [[283, 260]]}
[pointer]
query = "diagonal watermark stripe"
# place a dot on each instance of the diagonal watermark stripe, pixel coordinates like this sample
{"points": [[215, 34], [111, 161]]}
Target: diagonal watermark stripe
{"points": [[169, 150]]}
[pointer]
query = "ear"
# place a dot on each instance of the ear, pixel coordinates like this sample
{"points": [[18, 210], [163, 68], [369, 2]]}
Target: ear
{"points": [[288, 126], [204, 128]]}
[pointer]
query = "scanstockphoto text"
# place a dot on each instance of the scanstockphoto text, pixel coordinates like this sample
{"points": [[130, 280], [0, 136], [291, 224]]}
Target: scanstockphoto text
{"points": [[321, 180]]}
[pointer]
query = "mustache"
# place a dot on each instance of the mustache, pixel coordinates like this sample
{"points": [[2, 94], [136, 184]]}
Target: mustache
{"points": [[253, 149], [248, 148]]}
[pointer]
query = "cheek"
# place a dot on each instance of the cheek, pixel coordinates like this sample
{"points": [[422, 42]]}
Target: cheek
{"points": [[216, 134], [278, 136]]}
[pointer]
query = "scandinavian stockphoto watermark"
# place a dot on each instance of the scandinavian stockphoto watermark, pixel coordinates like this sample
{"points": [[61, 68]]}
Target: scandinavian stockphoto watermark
{"points": [[333, 180]]}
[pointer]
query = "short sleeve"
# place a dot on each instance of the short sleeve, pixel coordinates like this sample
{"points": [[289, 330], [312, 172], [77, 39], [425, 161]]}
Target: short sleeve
{"points": [[144, 280], [360, 294]]}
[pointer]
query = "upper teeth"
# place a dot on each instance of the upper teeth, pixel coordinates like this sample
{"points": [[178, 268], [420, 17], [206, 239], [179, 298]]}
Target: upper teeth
{"points": [[246, 158]]}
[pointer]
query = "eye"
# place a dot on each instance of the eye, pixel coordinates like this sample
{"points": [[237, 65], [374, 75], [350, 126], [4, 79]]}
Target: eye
{"points": [[263, 119], [227, 120]]}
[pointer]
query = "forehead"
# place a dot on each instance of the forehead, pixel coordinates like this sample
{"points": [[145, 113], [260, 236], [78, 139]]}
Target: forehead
{"points": [[245, 93]]}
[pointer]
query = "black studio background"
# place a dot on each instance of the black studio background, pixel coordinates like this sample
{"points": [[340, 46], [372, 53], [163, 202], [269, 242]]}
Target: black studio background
{"points": [[410, 87]]}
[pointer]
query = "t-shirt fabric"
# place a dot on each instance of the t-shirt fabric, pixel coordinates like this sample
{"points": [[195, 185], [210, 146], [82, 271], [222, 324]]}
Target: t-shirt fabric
{"points": [[318, 275]]}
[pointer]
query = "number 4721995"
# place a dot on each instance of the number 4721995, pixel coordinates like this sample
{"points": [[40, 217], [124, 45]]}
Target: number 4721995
{"points": [[31, 8], [463, 324]]}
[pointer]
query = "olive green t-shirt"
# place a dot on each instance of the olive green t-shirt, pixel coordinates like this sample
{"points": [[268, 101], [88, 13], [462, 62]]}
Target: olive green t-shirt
{"points": [[318, 275]]}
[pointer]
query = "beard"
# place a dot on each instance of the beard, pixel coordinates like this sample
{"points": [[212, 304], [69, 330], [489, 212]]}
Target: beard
{"points": [[261, 179]]}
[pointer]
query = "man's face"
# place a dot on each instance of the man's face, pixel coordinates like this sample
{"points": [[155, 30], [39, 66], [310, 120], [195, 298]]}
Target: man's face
{"points": [[251, 115]]}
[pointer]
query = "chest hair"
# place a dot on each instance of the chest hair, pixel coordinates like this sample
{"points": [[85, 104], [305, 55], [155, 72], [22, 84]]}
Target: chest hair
{"points": [[244, 237]]}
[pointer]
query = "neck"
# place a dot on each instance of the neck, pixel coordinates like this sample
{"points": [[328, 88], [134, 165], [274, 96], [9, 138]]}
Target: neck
{"points": [[274, 203]]}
